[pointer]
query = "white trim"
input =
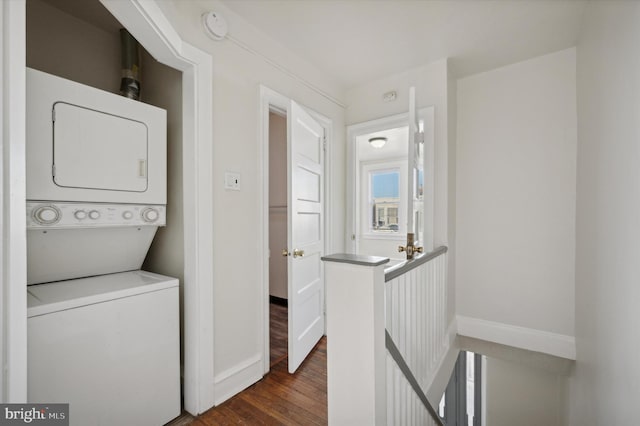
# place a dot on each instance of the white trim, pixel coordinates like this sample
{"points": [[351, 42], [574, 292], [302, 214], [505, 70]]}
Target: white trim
{"points": [[147, 23], [483, 394], [520, 337], [236, 379], [270, 98], [13, 318]]}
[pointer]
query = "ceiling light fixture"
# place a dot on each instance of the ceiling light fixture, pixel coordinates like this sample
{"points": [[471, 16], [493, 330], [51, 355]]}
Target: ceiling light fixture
{"points": [[378, 142]]}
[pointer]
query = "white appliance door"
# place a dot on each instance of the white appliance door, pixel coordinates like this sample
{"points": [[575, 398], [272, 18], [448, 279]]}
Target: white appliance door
{"points": [[305, 234], [96, 150]]}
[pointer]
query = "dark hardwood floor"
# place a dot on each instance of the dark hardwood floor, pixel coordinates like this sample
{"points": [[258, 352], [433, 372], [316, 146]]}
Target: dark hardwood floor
{"points": [[279, 398], [278, 337]]}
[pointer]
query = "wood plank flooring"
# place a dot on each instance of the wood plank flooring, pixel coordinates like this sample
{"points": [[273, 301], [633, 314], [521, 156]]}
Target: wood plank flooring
{"points": [[278, 336], [279, 398]]}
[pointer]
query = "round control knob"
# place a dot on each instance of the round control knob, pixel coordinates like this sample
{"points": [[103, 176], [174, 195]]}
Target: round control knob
{"points": [[80, 214], [127, 215], [46, 215], [94, 214], [150, 214]]}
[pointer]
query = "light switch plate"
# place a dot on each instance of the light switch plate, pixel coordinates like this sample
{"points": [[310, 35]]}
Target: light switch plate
{"points": [[232, 181]]}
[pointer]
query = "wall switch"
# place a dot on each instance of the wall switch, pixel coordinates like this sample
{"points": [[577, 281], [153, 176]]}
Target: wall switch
{"points": [[232, 181]]}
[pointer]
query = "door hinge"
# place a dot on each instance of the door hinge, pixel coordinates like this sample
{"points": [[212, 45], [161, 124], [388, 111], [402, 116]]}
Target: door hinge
{"points": [[53, 115], [53, 170], [419, 138], [324, 142]]}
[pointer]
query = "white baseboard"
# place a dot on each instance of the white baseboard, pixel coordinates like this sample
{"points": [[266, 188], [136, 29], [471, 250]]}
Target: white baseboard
{"points": [[238, 378], [520, 337]]}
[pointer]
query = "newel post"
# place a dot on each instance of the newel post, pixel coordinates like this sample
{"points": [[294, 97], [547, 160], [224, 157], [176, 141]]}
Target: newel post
{"points": [[356, 353]]}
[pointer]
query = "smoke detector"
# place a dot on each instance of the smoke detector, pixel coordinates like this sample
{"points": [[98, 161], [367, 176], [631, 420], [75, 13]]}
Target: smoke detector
{"points": [[215, 25]]}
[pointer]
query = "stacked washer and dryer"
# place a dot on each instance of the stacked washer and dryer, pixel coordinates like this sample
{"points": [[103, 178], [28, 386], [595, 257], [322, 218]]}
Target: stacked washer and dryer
{"points": [[103, 335]]}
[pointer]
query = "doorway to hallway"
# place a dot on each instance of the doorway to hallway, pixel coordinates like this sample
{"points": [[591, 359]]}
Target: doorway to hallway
{"points": [[294, 233]]}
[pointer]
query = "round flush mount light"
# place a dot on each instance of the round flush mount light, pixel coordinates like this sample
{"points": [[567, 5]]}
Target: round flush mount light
{"points": [[378, 142], [215, 25]]}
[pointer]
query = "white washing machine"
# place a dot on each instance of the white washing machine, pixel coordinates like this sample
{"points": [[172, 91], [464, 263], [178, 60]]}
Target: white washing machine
{"points": [[102, 334], [109, 346]]}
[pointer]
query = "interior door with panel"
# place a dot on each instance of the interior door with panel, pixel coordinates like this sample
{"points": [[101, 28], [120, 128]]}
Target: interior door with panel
{"points": [[305, 233]]}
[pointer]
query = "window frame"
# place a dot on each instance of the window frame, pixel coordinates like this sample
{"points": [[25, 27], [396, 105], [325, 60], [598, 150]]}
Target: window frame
{"points": [[366, 203]]}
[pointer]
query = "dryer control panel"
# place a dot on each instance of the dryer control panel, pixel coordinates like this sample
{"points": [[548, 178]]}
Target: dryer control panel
{"points": [[57, 215]]}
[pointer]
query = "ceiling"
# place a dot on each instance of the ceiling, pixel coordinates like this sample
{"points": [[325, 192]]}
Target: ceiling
{"points": [[357, 41], [396, 146]]}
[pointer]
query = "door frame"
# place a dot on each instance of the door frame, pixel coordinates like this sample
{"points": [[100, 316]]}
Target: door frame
{"points": [[353, 172], [271, 99], [13, 252], [146, 21]]}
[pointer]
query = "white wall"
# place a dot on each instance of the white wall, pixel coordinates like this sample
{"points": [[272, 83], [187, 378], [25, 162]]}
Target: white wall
{"points": [[517, 394], [162, 86], [277, 205], [238, 301], [516, 191], [53, 46], [606, 386]]}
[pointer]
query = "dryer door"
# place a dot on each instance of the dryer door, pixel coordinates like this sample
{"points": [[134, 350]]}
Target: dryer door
{"points": [[97, 150]]}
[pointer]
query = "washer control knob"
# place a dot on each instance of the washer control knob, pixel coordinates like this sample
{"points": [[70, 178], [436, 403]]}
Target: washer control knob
{"points": [[80, 214], [46, 215], [94, 214], [150, 214], [127, 214]]}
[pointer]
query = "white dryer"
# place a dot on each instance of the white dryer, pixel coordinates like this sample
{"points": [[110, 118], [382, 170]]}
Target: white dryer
{"points": [[88, 145], [96, 179]]}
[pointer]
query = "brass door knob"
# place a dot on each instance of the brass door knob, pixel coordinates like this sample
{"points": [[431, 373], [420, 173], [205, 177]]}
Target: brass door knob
{"points": [[298, 253], [285, 252], [418, 249]]}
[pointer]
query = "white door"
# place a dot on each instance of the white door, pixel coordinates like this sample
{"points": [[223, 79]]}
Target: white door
{"points": [[305, 233], [415, 207]]}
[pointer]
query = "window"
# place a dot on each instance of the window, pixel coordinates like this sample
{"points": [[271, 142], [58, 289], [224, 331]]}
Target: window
{"points": [[385, 195], [382, 199]]}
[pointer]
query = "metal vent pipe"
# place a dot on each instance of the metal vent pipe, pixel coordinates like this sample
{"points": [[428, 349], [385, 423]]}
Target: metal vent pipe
{"points": [[130, 60]]}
